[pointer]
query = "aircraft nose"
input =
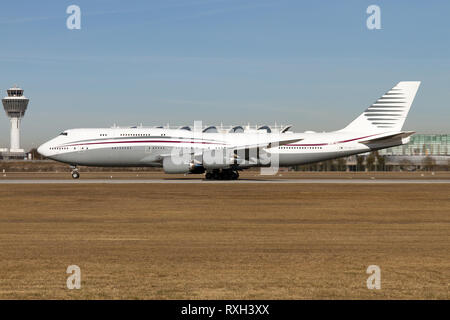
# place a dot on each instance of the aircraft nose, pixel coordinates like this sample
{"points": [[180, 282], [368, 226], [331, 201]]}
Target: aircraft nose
{"points": [[43, 150]]}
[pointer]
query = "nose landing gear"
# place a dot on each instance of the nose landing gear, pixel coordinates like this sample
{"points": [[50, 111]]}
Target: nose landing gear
{"points": [[75, 173]]}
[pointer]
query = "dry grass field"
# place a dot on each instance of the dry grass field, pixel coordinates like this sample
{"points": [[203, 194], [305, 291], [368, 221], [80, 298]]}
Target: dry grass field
{"points": [[225, 241]]}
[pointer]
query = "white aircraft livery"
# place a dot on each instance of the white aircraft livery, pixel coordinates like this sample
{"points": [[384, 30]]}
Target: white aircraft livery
{"points": [[221, 155]]}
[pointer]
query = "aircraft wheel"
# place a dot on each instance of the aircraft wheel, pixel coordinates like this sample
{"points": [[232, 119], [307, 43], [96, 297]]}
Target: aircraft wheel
{"points": [[229, 175], [75, 175]]}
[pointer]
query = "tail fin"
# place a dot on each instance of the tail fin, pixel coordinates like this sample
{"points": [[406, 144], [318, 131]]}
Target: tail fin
{"points": [[389, 112]]}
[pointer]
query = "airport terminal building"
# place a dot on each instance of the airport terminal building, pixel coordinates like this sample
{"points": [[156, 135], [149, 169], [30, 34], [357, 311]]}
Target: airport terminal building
{"points": [[422, 145], [423, 150]]}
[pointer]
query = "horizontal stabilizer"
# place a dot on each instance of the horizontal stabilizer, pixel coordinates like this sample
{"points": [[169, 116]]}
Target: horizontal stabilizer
{"points": [[401, 135]]}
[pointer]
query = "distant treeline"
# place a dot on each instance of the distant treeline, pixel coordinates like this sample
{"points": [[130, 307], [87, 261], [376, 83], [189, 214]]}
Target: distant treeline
{"points": [[373, 162], [53, 166]]}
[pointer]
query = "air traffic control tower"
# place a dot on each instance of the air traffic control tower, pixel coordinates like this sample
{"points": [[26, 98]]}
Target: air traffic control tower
{"points": [[15, 105]]}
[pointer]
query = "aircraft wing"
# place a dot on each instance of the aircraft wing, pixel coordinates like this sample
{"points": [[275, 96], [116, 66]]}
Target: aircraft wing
{"points": [[265, 144], [251, 153], [240, 151]]}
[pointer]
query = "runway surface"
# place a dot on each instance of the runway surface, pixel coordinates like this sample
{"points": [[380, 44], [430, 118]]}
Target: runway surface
{"points": [[198, 181]]}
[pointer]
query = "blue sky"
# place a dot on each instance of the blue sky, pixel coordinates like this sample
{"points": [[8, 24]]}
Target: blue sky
{"points": [[313, 64]]}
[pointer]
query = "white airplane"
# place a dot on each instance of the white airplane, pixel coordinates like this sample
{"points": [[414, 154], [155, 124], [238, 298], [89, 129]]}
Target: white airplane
{"points": [[221, 155]]}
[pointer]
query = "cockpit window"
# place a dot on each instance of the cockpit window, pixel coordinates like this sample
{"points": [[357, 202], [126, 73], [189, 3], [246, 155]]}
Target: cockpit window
{"points": [[63, 134]]}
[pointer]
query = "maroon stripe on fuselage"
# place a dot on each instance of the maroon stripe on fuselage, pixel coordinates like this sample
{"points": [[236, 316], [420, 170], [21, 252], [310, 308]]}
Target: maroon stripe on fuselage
{"points": [[359, 138], [325, 144], [308, 144], [203, 142], [139, 141]]}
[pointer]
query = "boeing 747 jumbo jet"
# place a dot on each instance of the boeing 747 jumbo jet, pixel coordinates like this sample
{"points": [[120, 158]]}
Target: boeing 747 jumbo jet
{"points": [[222, 154]]}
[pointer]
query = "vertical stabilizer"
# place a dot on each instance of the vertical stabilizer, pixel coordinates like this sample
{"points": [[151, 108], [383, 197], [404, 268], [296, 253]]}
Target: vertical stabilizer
{"points": [[389, 112]]}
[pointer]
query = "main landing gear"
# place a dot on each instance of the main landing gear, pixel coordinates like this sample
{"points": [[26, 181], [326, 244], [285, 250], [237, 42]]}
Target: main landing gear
{"points": [[224, 174], [75, 173]]}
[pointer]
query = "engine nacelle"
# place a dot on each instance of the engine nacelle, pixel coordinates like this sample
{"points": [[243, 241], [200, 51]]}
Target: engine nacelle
{"points": [[217, 159], [185, 167]]}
